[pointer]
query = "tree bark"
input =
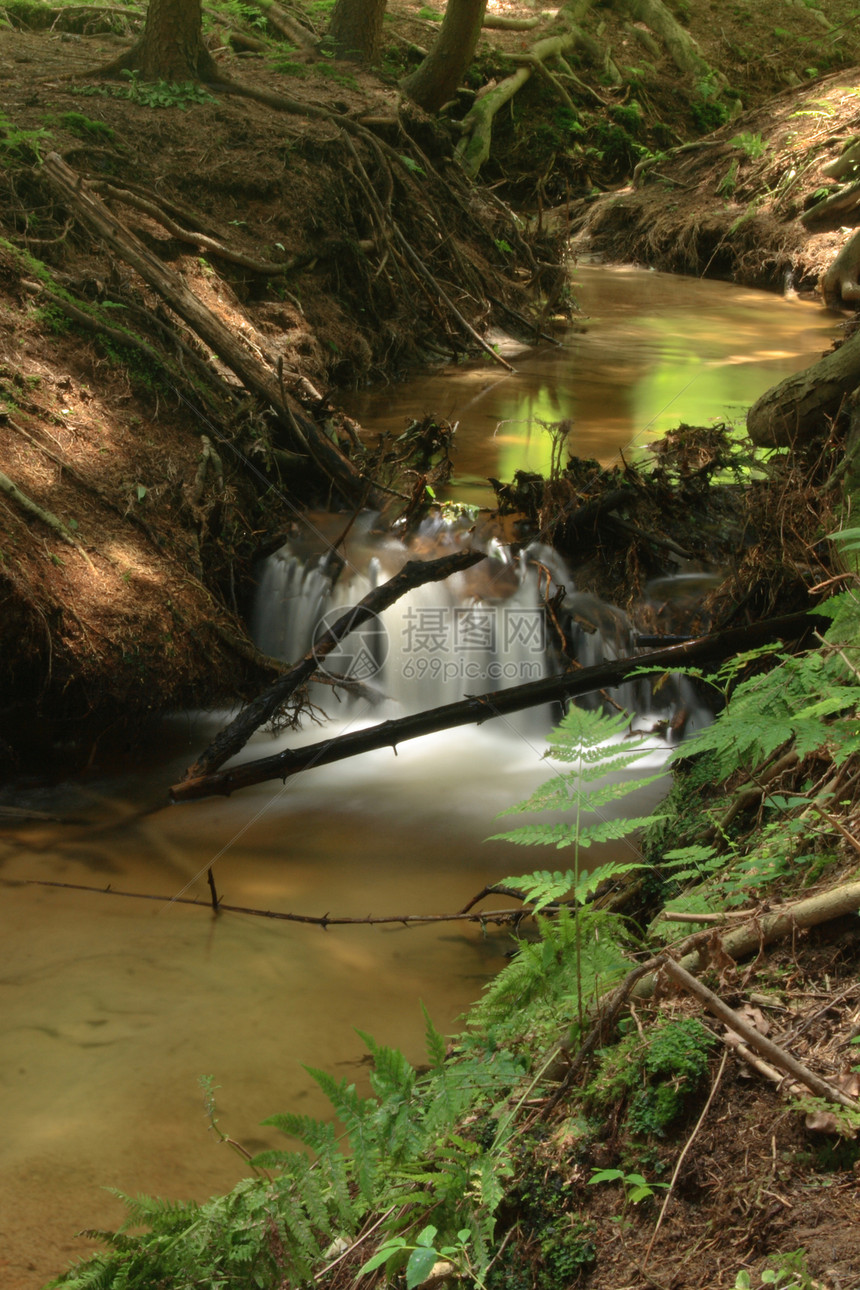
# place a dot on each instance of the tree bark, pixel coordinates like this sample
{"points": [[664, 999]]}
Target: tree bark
{"points": [[171, 48], [355, 29], [474, 711], [435, 81], [796, 410]]}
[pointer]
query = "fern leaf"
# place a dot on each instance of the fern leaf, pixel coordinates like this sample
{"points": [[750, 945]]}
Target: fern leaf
{"points": [[315, 1134], [603, 873], [611, 830], [543, 835], [542, 887], [437, 1049]]}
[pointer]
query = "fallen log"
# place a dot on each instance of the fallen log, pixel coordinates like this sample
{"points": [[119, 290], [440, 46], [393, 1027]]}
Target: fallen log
{"points": [[477, 709], [415, 573], [764, 929], [303, 435]]}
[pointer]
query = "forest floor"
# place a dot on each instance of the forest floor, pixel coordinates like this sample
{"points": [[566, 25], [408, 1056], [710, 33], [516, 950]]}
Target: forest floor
{"points": [[137, 604]]}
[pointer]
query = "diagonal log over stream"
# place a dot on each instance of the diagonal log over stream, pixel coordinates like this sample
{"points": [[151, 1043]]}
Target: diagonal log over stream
{"points": [[476, 709]]}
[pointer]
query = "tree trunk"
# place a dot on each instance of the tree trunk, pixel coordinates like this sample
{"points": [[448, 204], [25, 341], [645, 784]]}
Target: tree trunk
{"points": [[435, 81], [355, 30], [171, 48], [841, 283], [795, 410]]}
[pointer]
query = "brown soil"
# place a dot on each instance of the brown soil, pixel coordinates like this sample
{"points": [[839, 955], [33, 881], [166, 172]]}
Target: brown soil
{"points": [[758, 1181]]}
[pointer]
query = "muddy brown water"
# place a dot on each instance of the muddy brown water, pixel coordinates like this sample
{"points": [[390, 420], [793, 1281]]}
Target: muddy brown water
{"points": [[112, 1009], [656, 350]]}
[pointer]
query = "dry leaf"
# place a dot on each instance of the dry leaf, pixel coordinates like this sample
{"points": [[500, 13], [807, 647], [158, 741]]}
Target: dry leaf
{"points": [[827, 1122]]}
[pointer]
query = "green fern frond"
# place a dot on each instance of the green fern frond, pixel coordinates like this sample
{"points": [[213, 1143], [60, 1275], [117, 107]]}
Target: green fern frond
{"points": [[434, 1042], [315, 1134], [542, 887]]}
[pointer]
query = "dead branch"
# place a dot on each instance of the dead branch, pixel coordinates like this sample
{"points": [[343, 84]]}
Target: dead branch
{"points": [[764, 929], [755, 1039], [476, 710], [216, 905], [415, 573]]}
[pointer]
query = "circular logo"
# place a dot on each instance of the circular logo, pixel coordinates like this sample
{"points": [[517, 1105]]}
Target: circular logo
{"points": [[360, 654]]}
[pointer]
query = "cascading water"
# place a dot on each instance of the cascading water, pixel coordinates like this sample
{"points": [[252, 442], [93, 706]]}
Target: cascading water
{"points": [[482, 630]]}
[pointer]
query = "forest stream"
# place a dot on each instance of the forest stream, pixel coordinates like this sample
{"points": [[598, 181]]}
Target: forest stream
{"points": [[113, 1009]]}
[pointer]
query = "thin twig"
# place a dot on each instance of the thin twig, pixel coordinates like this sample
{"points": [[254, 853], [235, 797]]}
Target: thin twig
{"points": [[324, 920]]}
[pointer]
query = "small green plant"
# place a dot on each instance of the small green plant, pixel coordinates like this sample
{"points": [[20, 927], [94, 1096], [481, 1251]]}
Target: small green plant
{"points": [[155, 94], [429, 15], [421, 1256], [636, 1187], [654, 1072], [786, 1272], [85, 127], [728, 183], [24, 145], [752, 145], [411, 165]]}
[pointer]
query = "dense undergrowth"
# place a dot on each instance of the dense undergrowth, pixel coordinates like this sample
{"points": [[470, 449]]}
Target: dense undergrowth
{"points": [[485, 1165]]}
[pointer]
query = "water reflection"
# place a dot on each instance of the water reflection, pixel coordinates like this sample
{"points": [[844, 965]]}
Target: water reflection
{"points": [[658, 349]]}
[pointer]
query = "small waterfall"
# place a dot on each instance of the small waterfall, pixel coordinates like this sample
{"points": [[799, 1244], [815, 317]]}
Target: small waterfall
{"points": [[483, 630]]}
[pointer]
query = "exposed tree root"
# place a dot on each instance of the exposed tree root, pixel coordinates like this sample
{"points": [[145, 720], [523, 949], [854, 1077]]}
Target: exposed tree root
{"points": [[305, 435], [48, 518]]}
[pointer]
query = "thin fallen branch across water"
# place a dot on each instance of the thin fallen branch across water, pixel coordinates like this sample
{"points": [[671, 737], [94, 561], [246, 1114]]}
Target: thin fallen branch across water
{"points": [[218, 906]]}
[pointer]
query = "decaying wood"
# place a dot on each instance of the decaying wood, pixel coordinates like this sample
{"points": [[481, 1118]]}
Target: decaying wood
{"points": [[796, 410], [474, 711], [764, 929], [415, 573], [305, 436], [755, 1039]]}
